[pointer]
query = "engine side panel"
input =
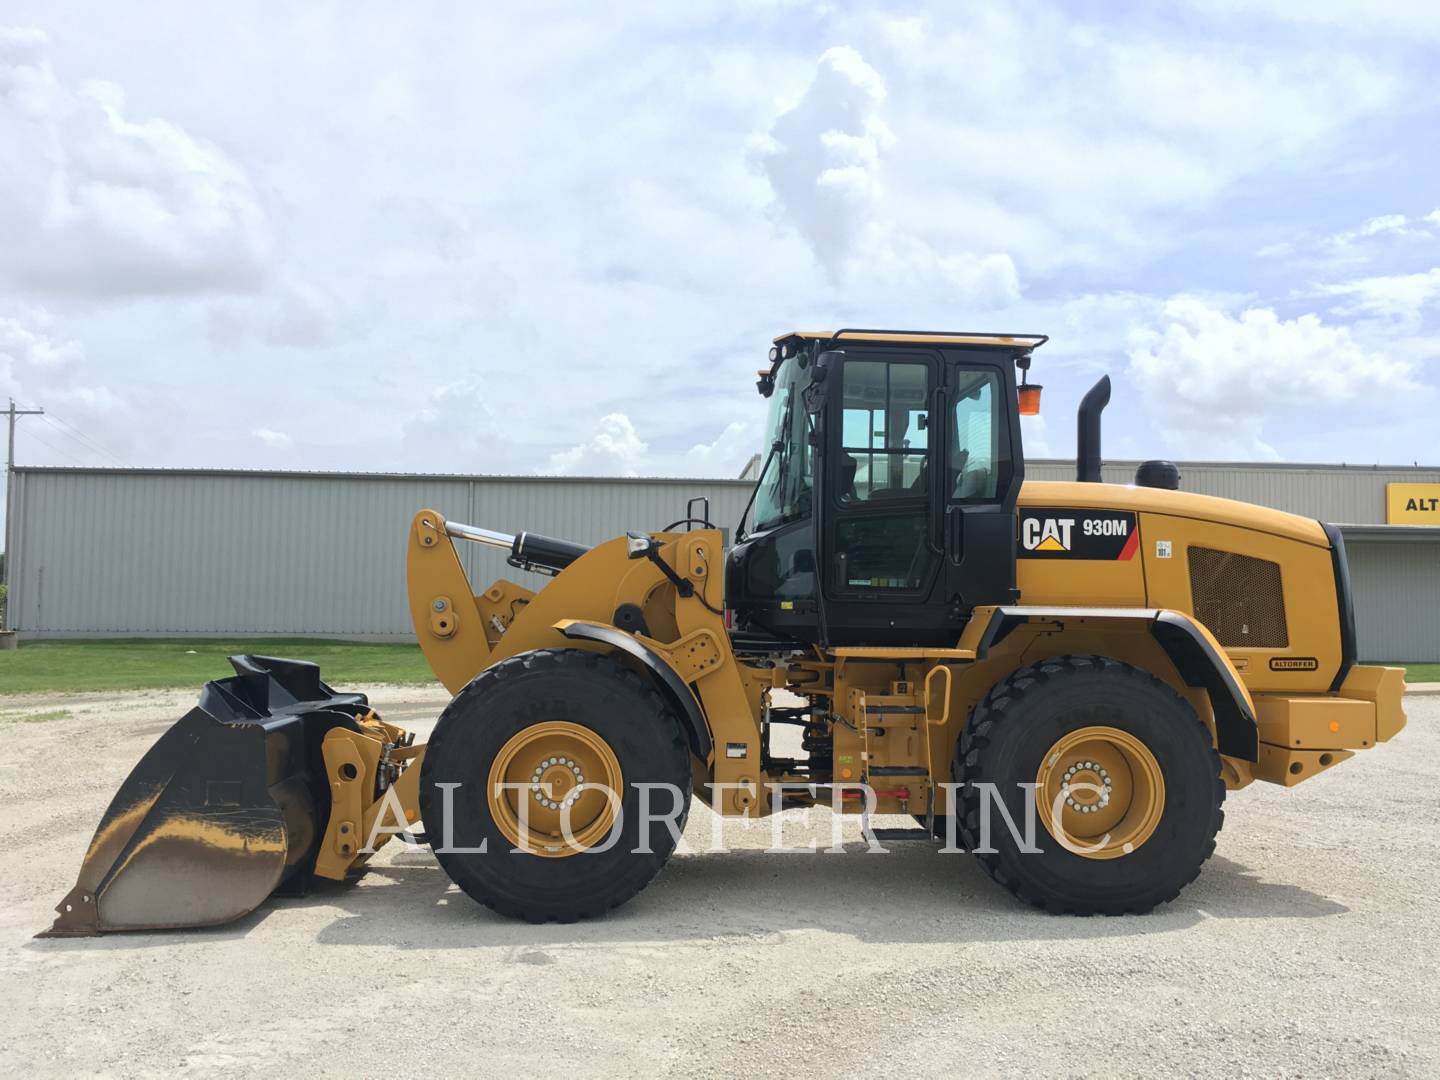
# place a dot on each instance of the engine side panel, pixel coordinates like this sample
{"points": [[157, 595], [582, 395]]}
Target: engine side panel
{"points": [[1261, 581], [1271, 601]]}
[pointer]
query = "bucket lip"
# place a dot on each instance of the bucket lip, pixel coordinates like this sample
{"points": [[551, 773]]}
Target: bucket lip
{"points": [[201, 799], [253, 714]]}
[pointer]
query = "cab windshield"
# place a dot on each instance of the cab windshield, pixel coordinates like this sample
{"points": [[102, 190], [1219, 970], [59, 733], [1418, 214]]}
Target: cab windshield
{"points": [[783, 491]]}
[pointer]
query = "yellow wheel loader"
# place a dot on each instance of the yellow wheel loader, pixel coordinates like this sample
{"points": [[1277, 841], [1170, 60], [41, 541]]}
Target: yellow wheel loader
{"points": [[1063, 678]]}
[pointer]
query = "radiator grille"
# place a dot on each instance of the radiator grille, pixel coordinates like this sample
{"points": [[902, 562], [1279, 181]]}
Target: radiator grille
{"points": [[1238, 598]]}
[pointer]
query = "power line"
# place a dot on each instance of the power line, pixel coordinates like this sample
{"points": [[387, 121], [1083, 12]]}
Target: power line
{"points": [[63, 453], [76, 435]]}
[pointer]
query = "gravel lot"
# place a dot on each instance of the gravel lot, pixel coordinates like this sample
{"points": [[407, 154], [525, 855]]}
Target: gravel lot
{"points": [[1308, 946]]}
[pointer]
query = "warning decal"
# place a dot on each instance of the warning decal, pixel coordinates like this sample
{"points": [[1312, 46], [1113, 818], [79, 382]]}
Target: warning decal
{"points": [[1073, 533]]}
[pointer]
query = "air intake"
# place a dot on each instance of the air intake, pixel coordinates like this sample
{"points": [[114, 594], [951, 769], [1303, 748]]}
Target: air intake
{"points": [[1238, 598]]}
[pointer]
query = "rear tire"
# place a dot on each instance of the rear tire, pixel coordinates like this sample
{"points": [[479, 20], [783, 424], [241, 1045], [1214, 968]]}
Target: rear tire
{"points": [[1018, 727], [585, 693]]}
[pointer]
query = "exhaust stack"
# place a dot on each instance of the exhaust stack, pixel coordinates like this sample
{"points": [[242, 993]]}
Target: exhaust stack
{"points": [[1087, 432]]}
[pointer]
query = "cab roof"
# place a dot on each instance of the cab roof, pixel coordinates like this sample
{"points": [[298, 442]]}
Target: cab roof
{"points": [[924, 337]]}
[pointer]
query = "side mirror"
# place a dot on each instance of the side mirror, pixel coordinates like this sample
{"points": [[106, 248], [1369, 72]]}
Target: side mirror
{"points": [[818, 392]]}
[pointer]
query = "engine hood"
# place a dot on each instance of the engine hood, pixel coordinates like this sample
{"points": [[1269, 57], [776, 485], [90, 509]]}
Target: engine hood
{"points": [[1174, 503]]}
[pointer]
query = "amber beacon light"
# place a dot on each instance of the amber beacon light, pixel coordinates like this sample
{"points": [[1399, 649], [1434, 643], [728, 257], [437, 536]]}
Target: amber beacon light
{"points": [[1030, 399]]}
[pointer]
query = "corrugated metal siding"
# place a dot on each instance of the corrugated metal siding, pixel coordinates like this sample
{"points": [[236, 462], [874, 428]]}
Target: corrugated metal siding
{"points": [[1341, 494], [1397, 599], [147, 553], [135, 553]]}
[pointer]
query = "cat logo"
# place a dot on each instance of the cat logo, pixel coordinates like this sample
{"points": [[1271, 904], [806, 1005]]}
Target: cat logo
{"points": [[1046, 534], [1063, 532]]}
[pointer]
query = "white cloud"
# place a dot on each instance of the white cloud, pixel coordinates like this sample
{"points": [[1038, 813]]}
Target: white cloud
{"points": [[1034, 437], [40, 366], [457, 430], [274, 440], [95, 203], [1104, 159], [1219, 379], [25, 349], [653, 201], [302, 315], [1384, 226], [825, 160], [1400, 297], [614, 449], [292, 312], [824, 157], [1374, 240], [1404, 19], [726, 455]]}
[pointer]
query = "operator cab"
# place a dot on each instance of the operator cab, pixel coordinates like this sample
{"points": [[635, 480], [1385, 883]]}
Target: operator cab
{"points": [[885, 507]]}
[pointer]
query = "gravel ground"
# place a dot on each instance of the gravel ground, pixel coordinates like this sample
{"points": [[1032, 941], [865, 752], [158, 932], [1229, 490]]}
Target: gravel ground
{"points": [[1307, 947]]}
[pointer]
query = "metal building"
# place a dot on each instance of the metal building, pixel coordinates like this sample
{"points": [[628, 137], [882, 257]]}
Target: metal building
{"points": [[135, 553]]}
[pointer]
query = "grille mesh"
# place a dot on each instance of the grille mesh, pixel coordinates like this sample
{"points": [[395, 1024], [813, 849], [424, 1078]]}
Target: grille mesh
{"points": [[1238, 598]]}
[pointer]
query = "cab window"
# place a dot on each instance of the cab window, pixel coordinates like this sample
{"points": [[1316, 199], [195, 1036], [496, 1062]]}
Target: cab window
{"points": [[978, 463], [783, 491], [884, 431]]}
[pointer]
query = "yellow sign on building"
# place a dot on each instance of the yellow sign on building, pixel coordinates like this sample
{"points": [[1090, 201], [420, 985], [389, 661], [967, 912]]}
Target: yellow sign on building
{"points": [[1412, 504]]}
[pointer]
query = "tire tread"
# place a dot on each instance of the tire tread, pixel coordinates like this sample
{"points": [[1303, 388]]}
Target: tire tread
{"points": [[969, 767], [596, 665]]}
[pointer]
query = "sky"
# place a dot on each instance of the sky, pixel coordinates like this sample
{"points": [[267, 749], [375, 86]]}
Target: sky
{"points": [[558, 238]]}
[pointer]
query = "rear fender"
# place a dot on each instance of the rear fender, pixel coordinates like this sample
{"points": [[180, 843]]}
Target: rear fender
{"points": [[1191, 648]]}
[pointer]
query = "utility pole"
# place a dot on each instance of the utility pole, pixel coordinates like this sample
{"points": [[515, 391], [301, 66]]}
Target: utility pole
{"points": [[11, 414]]}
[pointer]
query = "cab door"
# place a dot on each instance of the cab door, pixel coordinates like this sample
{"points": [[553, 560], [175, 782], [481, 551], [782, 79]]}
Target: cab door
{"points": [[884, 577], [980, 479]]}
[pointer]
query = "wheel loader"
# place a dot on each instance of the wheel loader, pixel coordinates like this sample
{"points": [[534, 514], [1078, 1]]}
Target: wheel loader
{"points": [[953, 643]]}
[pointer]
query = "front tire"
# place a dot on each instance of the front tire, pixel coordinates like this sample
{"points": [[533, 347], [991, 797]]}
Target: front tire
{"points": [[1126, 793], [577, 721]]}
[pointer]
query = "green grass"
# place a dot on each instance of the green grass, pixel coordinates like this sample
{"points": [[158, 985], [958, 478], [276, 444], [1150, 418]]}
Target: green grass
{"points": [[33, 718], [148, 663], [1421, 672], [151, 664]]}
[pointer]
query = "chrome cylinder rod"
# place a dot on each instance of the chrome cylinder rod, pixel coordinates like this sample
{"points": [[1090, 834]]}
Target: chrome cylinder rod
{"points": [[480, 536]]}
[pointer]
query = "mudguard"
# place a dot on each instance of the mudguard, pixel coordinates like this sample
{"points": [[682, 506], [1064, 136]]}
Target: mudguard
{"points": [[1190, 647], [697, 731]]}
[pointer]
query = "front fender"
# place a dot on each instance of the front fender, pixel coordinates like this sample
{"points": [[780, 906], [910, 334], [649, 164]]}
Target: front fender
{"points": [[667, 679]]}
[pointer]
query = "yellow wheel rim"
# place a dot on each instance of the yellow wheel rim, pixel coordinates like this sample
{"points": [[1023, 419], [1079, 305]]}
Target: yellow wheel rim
{"points": [[556, 769], [1100, 792]]}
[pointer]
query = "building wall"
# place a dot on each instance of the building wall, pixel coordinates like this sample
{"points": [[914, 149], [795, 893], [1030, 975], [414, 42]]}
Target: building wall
{"points": [[1352, 495], [156, 553], [1397, 599], [133, 553]]}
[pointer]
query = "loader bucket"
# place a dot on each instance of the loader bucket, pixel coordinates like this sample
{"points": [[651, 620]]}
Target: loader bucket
{"points": [[227, 806]]}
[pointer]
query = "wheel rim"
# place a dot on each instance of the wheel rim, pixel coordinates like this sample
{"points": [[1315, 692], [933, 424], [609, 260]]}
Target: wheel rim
{"points": [[1109, 790], [555, 767]]}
